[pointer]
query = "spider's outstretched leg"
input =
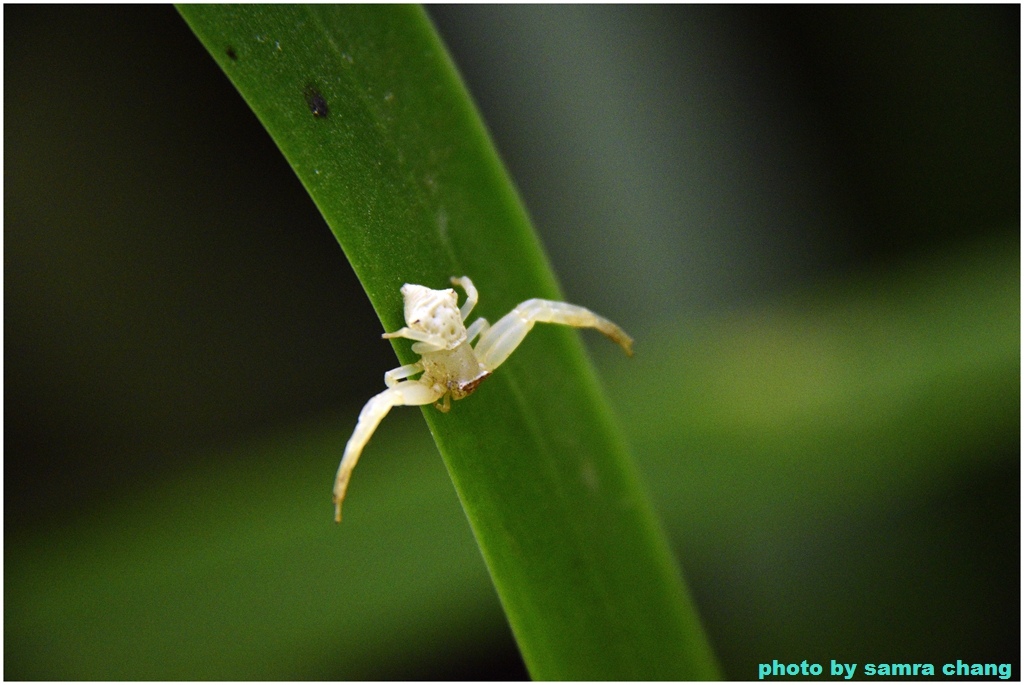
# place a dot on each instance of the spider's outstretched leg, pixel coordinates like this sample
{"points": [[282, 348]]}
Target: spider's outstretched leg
{"points": [[501, 339], [405, 393]]}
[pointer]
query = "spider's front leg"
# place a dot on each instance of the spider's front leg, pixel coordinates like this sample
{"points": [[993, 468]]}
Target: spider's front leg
{"points": [[392, 377], [501, 339], [472, 296], [425, 342], [404, 393]]}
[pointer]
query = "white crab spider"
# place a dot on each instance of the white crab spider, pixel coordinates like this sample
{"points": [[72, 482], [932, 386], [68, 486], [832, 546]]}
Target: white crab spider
{"points": [[451, 367]]}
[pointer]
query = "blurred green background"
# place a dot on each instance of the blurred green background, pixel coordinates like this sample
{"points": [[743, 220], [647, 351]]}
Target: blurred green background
{"points": [[808, 218]]}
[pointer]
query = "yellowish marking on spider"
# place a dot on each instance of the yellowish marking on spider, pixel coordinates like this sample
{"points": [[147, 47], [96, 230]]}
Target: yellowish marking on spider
{"points": [[450, 366]]}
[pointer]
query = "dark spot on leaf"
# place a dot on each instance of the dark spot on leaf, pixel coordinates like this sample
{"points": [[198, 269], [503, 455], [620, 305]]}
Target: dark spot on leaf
{"points": [[317, 103], [231, 53]]}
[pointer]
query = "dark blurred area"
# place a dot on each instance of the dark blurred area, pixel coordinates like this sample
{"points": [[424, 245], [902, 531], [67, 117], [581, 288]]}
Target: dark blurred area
{"points": [[170, 287], [747, 149], [168, 281]]}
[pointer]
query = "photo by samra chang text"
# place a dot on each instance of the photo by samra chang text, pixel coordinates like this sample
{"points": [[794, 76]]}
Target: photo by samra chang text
{"points": [[957, 669]]}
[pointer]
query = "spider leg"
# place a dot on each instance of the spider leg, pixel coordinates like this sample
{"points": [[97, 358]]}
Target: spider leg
{"points": [[404, 393], [471, 295], [426, 342], [501, 339], [392, 377], [479, 326]]}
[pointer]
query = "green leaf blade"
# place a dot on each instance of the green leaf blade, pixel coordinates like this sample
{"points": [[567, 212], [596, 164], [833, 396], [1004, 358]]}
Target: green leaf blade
{"points": [[367, 108]]}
